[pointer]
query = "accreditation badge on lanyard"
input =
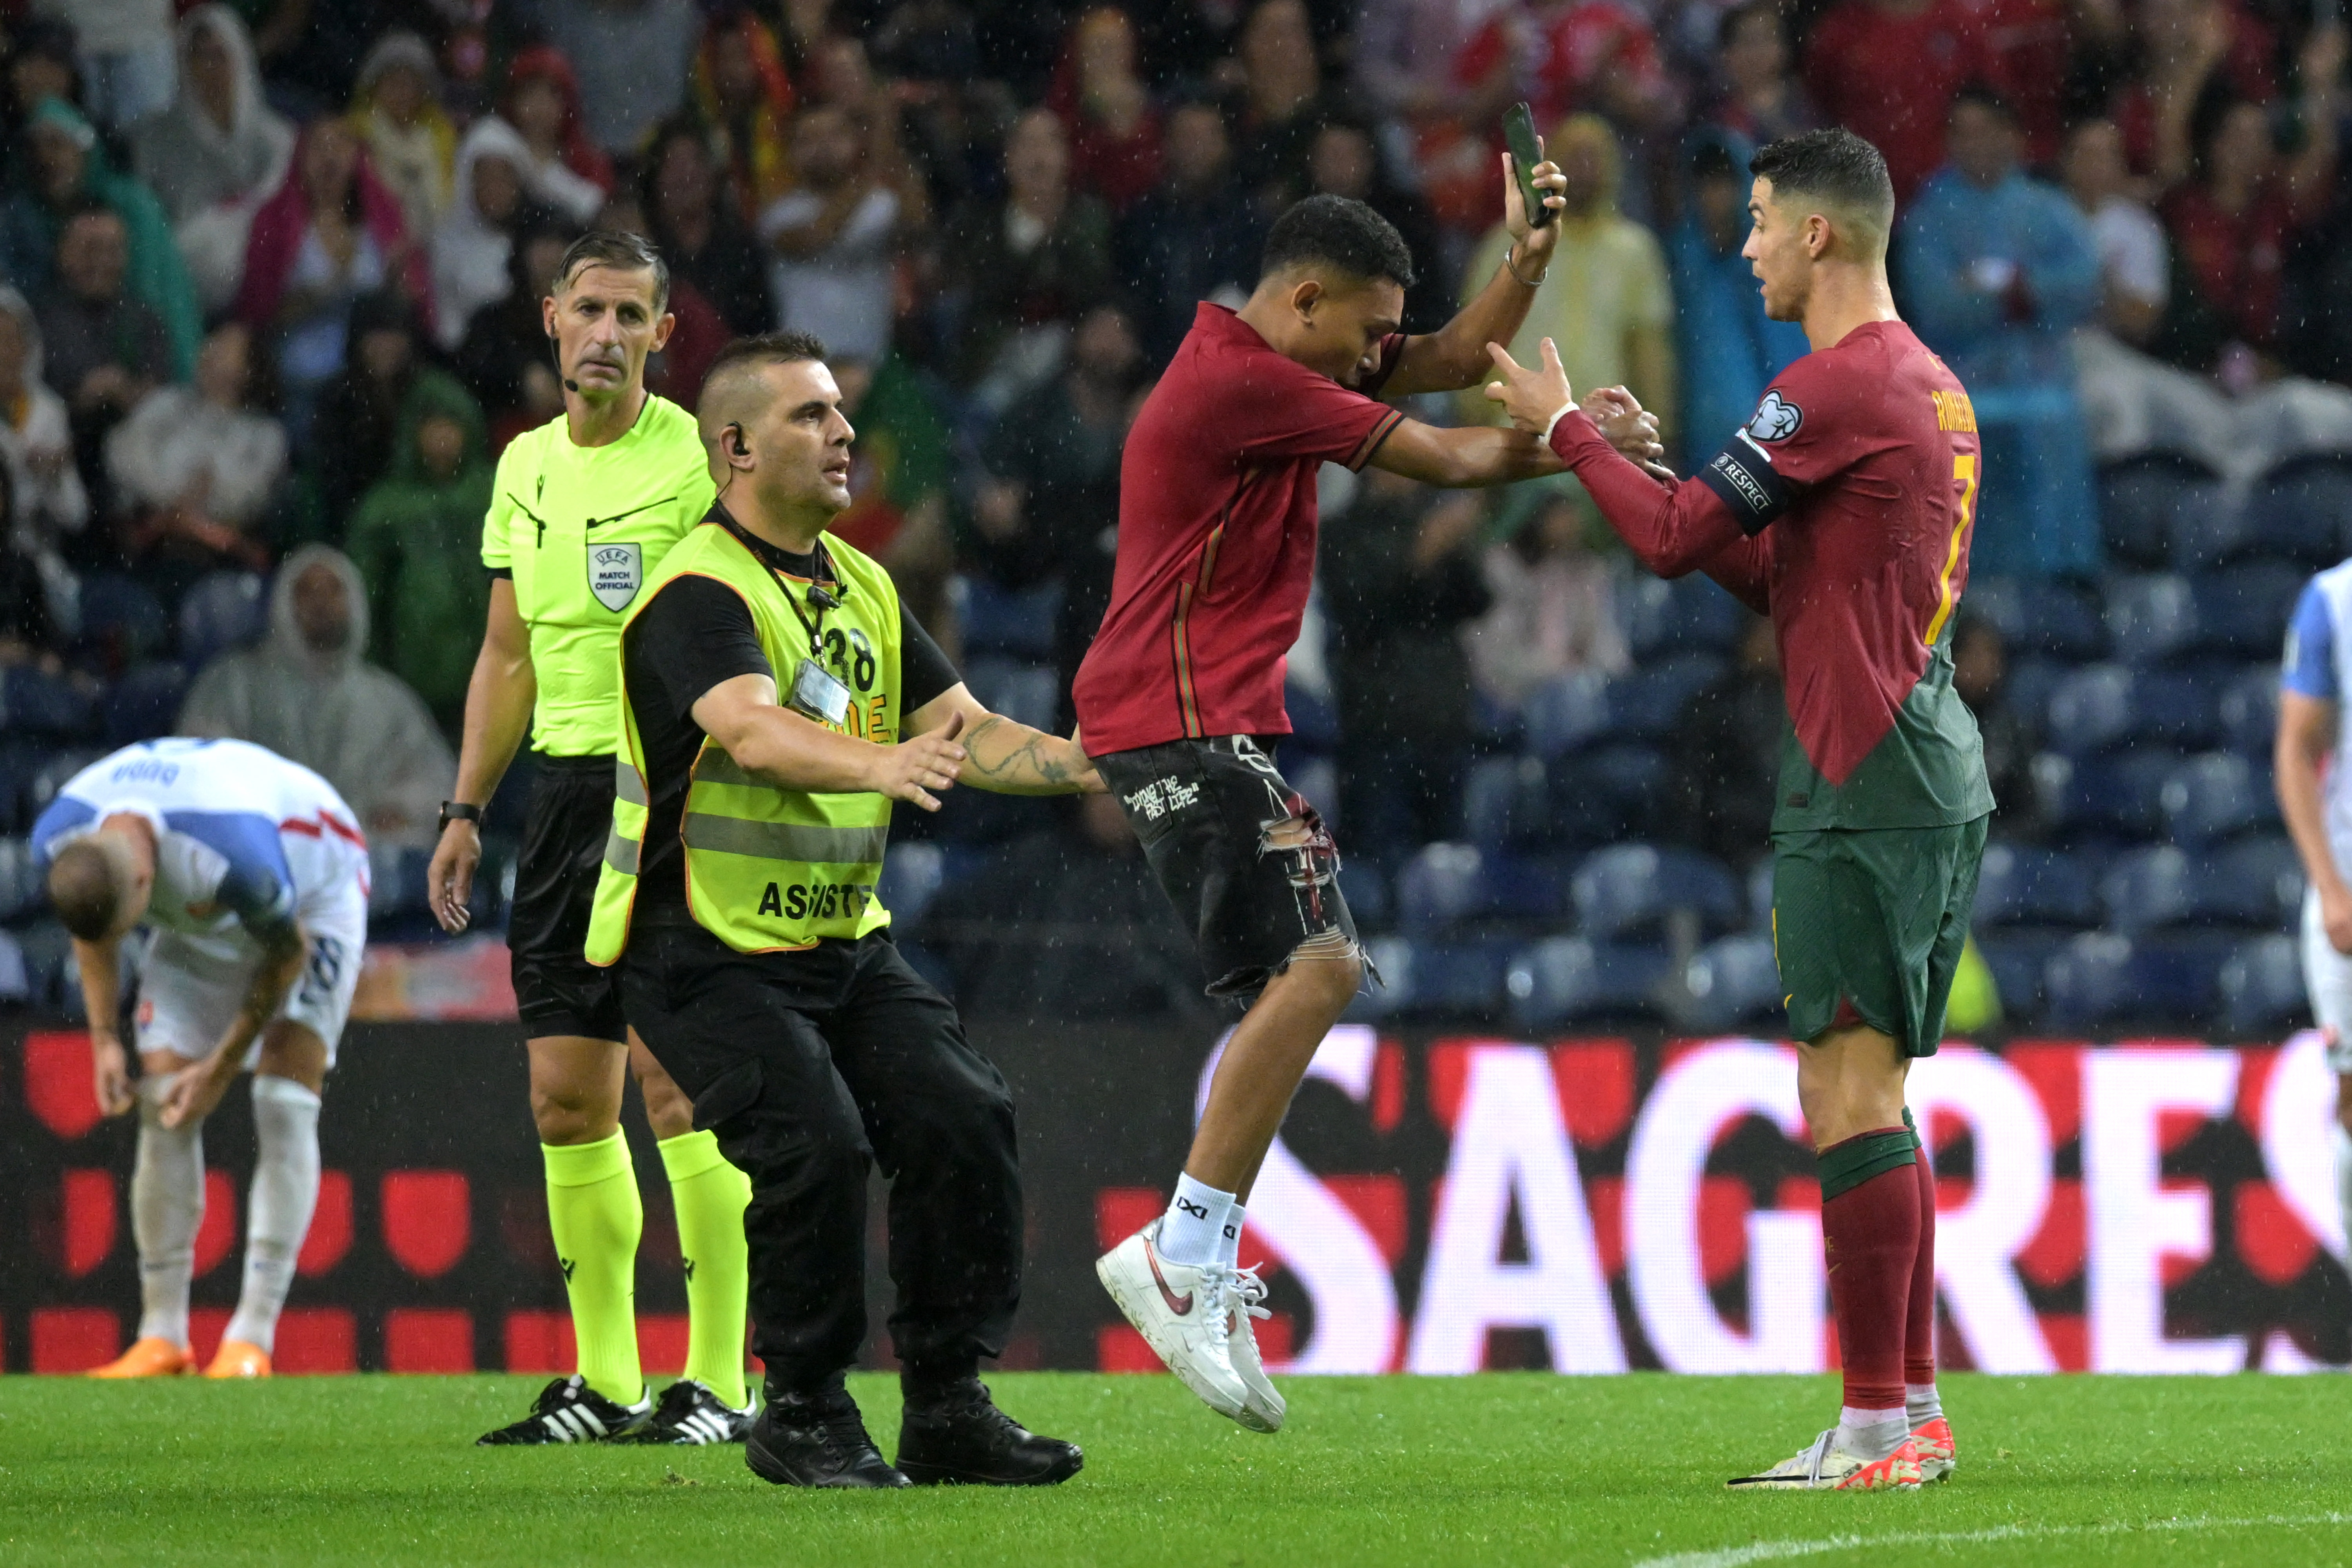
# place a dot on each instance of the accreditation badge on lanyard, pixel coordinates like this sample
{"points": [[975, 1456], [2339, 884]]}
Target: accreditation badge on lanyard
{"points": [[817, 693]]}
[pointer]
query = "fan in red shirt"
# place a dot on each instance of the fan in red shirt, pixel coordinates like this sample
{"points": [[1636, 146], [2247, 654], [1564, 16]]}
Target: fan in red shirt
{"points": [[1180, 699], [1843, 510], [1889, 69]]}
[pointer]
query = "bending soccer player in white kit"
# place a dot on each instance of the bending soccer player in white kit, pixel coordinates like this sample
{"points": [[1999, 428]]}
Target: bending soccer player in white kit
{"points": [[2314, 794], [251, 875]]}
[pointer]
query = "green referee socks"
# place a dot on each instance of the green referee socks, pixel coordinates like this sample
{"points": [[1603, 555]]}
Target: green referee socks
{"points": [[593, 1212], [710, 1195]]}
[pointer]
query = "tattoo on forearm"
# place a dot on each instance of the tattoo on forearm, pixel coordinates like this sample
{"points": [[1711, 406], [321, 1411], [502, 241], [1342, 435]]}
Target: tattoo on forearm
{"points": [[1028, 761]]}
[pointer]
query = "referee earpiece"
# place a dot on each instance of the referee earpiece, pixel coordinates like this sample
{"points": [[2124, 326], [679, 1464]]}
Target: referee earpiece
{"points": [[743, 448]]}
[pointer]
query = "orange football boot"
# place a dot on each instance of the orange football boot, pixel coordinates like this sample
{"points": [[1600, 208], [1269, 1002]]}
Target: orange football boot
{"points": [[1939, 1455], [236, 1358], [148, 1357]]}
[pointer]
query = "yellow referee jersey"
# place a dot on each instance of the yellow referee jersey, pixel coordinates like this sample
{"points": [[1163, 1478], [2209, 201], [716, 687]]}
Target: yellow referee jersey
{"points": [[581, 529]]}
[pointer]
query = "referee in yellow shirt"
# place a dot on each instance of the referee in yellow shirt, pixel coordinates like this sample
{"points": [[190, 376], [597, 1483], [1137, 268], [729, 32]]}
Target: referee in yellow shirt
{"points": [[585, 507]]}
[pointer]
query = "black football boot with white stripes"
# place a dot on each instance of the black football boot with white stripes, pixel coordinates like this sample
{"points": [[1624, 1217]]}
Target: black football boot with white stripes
{"points": [[687, 1412], [569, 1411]]}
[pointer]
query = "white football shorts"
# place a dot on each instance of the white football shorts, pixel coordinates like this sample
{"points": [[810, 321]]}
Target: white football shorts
{"points": [[2327, 981], [189, 988]]}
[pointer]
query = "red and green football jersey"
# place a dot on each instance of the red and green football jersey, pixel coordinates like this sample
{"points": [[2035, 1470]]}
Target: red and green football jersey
{"points": [[1844, 511]]}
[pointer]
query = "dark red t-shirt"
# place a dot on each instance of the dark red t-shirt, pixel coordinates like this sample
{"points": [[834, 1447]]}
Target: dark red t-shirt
{"points": [[1844, 511], [1216, 538]]}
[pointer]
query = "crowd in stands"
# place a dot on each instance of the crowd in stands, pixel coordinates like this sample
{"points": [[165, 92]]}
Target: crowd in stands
{"points": [[269, 274]]}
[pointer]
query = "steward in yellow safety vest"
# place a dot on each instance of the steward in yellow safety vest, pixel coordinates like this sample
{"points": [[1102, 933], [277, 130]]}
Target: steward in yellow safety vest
{"points": [[777, 699]]}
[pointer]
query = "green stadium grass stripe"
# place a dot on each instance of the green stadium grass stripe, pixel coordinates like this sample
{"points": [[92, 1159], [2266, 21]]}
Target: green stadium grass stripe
{"points": [[1780, 1551]]}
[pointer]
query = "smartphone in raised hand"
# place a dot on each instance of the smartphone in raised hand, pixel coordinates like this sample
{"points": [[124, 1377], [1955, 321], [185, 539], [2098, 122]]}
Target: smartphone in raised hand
{"points": [[1527, 152]]}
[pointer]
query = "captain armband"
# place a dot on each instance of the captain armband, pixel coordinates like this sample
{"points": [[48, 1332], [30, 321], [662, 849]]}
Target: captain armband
{"points": [[1742, 476]]}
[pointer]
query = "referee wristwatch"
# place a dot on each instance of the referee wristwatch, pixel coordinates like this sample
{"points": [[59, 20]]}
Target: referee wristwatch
{"points": [[456, 811]]}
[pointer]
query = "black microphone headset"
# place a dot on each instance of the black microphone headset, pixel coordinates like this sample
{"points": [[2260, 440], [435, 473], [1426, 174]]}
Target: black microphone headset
{"points": [[555, 352]]}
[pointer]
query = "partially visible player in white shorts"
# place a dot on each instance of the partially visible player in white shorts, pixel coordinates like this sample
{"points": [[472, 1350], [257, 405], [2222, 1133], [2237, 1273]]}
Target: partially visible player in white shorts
{"points": [[250, 873], [2314, 791]]}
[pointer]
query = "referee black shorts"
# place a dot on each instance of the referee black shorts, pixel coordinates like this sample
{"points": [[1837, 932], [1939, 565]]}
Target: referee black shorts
{"points": [[565, 824]]}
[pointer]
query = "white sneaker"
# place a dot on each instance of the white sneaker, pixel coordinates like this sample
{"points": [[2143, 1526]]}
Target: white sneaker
{"points": [[1265, 1408], [1828, 1468], [1184, 1313]]}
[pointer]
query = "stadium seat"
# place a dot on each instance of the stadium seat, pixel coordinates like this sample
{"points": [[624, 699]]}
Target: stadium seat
{"points": [[2145, 503], [1687, 614], [2101, 978], [2151, 616], [224, 610], [2035, 617], [1318, 778], [1607, 794], [1314, 723], [1433, 979], [1442, 886], [2214, 796], [1002, 622], [2301, 511], [397, 880], [2101, 707], [2019, 886], [2094, 799], [145, 703], [1567, 980], [1759, 895], [34, 703], [911, 877], [1732, 982], [51, 775], [2262, 985], [1027, 694], [121, 622], [20, 883], [1504, 802], [50, 982], [15, 982], [2247, 709], [2242, 612], [1583, 709], [2255, 882], [1633, 889], [1366, 890], [2019, 957]]}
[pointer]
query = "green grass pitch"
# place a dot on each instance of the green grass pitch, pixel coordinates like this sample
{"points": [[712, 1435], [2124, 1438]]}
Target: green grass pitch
{"points": [[1505, 1468]]}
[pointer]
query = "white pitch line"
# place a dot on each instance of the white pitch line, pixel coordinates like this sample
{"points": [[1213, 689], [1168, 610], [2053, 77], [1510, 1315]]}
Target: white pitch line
{"points": [[1776, 1550]]}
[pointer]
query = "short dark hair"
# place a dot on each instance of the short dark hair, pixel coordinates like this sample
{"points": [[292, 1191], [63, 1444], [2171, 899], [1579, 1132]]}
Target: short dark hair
{"points": [[766, 348], [623, 252], [1984, 97], [1340, 231], [1837, 168]]}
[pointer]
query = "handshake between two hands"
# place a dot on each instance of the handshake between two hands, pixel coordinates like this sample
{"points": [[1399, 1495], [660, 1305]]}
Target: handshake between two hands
{"points": [[1537, 395]]}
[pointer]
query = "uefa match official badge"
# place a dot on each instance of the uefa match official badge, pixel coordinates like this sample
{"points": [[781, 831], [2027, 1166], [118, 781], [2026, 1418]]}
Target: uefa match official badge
{"points": [[616, 572]]}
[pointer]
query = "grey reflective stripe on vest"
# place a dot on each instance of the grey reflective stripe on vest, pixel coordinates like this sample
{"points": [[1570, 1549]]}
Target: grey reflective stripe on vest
{"points": [[715, 766], [626, 786], [786, 841], [621, 854]]}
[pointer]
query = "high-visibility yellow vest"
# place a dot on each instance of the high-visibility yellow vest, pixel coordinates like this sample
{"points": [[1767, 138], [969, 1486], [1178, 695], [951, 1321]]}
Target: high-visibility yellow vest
{"points": [[768, 870]]}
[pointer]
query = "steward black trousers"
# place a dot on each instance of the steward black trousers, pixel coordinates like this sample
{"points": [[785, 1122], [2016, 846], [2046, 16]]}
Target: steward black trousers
{"points": [[808, 1067]]}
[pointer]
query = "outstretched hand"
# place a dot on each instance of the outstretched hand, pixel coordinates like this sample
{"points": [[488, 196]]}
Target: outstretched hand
{"points": [[913, 769], [1531, 395]]}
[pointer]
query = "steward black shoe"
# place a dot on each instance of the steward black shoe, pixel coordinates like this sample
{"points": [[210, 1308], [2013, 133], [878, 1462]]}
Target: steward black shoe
{"points": [[817, 1440], [687, 1412], [962, 1438], [569, 1411]]}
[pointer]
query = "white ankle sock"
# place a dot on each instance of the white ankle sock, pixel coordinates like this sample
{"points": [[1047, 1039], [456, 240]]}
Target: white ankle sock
{"points": [[1920, 1403], [1872, 1434], [1229, 1236], [2344, 1175], [1195, 1216], [167, 1204], [277, 1210]]}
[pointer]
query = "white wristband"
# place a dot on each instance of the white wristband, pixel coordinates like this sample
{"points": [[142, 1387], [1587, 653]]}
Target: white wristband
{"points": [[1565, 409]]}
